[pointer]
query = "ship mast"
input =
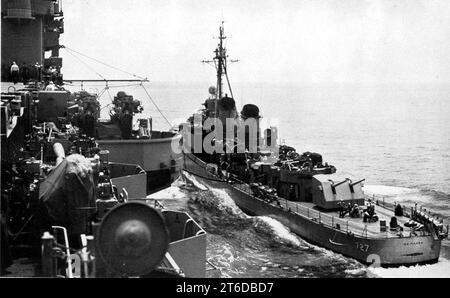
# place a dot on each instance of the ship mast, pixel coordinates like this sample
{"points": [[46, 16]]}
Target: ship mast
{"points": [[220, 62]]}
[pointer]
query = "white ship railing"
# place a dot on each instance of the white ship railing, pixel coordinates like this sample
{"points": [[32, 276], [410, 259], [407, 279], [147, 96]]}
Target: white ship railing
{"points": [[336, 223], [333, 222]]}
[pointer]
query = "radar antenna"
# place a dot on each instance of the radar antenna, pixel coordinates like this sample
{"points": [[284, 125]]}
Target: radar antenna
{"points": [[220, 63]]}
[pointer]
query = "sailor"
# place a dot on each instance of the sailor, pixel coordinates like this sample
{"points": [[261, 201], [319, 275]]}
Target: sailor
{"points": [[398, 210], [292, 193], [38, 71], [371, 209], [369, 212], [14, 72], [347, 208], [366, 215], [355, 211], [51, 87], [341, 208], [53, 73]]}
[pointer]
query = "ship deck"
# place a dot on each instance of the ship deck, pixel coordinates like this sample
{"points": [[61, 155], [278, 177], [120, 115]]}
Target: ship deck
{"points": [[330, 218], [354, 225]]}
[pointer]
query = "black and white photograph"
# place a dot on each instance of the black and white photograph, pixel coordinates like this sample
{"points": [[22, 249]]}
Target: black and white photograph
{"points": [[237, 142]]}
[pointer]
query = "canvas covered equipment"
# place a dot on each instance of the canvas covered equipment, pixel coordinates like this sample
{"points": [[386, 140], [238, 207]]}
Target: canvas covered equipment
{"points": [[67, 194]]}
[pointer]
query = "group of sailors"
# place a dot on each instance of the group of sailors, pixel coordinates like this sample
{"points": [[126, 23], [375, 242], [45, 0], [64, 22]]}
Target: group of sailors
{"points": [[420, 217], [423, 216], [354, 211], [28, 72]]}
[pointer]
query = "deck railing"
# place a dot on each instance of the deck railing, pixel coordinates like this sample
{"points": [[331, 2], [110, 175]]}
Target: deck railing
{"points": [[333, 222]]}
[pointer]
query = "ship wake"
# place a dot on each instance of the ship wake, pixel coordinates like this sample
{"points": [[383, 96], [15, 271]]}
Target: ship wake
{"points": [[440, 269], [279, 232]]}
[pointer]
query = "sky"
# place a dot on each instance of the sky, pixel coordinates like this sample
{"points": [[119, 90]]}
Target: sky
{"points": [[275, 41]]}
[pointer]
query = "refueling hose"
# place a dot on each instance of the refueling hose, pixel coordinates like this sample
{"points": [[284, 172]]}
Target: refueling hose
{"points": [[59, 152]]}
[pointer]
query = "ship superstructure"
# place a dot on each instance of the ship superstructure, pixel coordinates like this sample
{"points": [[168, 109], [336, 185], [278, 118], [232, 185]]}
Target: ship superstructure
{"points": [[68, 206], [30, 37]]}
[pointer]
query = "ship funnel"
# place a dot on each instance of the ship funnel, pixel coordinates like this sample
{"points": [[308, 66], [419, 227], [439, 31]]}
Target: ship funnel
{"points": [[251, 131], [250, 111], [18, 9], [227, 103]]}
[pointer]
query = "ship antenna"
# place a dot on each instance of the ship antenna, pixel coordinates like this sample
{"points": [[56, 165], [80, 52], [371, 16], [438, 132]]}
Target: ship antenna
{"points": [[221, 58], [220, 62]]}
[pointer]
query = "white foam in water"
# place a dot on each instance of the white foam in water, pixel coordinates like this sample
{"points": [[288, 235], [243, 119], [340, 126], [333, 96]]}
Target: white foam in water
{"points": [[172, 192], [384, 190], [226, 202], [280, 230], [440, 269], [356, 271], [398, 194], [224, 260], [195, 182], [180, 181]]}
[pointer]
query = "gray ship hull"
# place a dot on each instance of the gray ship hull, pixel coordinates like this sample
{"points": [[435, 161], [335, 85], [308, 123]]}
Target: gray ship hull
{"points": [[155, 156], [386, 252]]}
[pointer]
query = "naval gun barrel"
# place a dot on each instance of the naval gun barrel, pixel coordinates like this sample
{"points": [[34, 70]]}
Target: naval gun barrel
{"points": [[336, 184], [351, 184], [357, 182]]}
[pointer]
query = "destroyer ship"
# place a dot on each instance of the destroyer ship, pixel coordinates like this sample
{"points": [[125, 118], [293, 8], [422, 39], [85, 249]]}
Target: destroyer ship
{"points": [[68, 207], [226, 150]]}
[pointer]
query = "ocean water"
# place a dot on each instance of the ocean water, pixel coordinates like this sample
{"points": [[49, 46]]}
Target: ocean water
{"points": [[397, 137]]}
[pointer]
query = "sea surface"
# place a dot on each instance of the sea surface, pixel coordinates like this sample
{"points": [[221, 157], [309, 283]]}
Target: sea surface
{"points": [[397, 137]]}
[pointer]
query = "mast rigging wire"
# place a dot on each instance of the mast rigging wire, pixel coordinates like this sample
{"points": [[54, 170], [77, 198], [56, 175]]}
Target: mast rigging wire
{"points": [[156, 106], [85, 64], [69, 50], [103, 63], [228, 81]]}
